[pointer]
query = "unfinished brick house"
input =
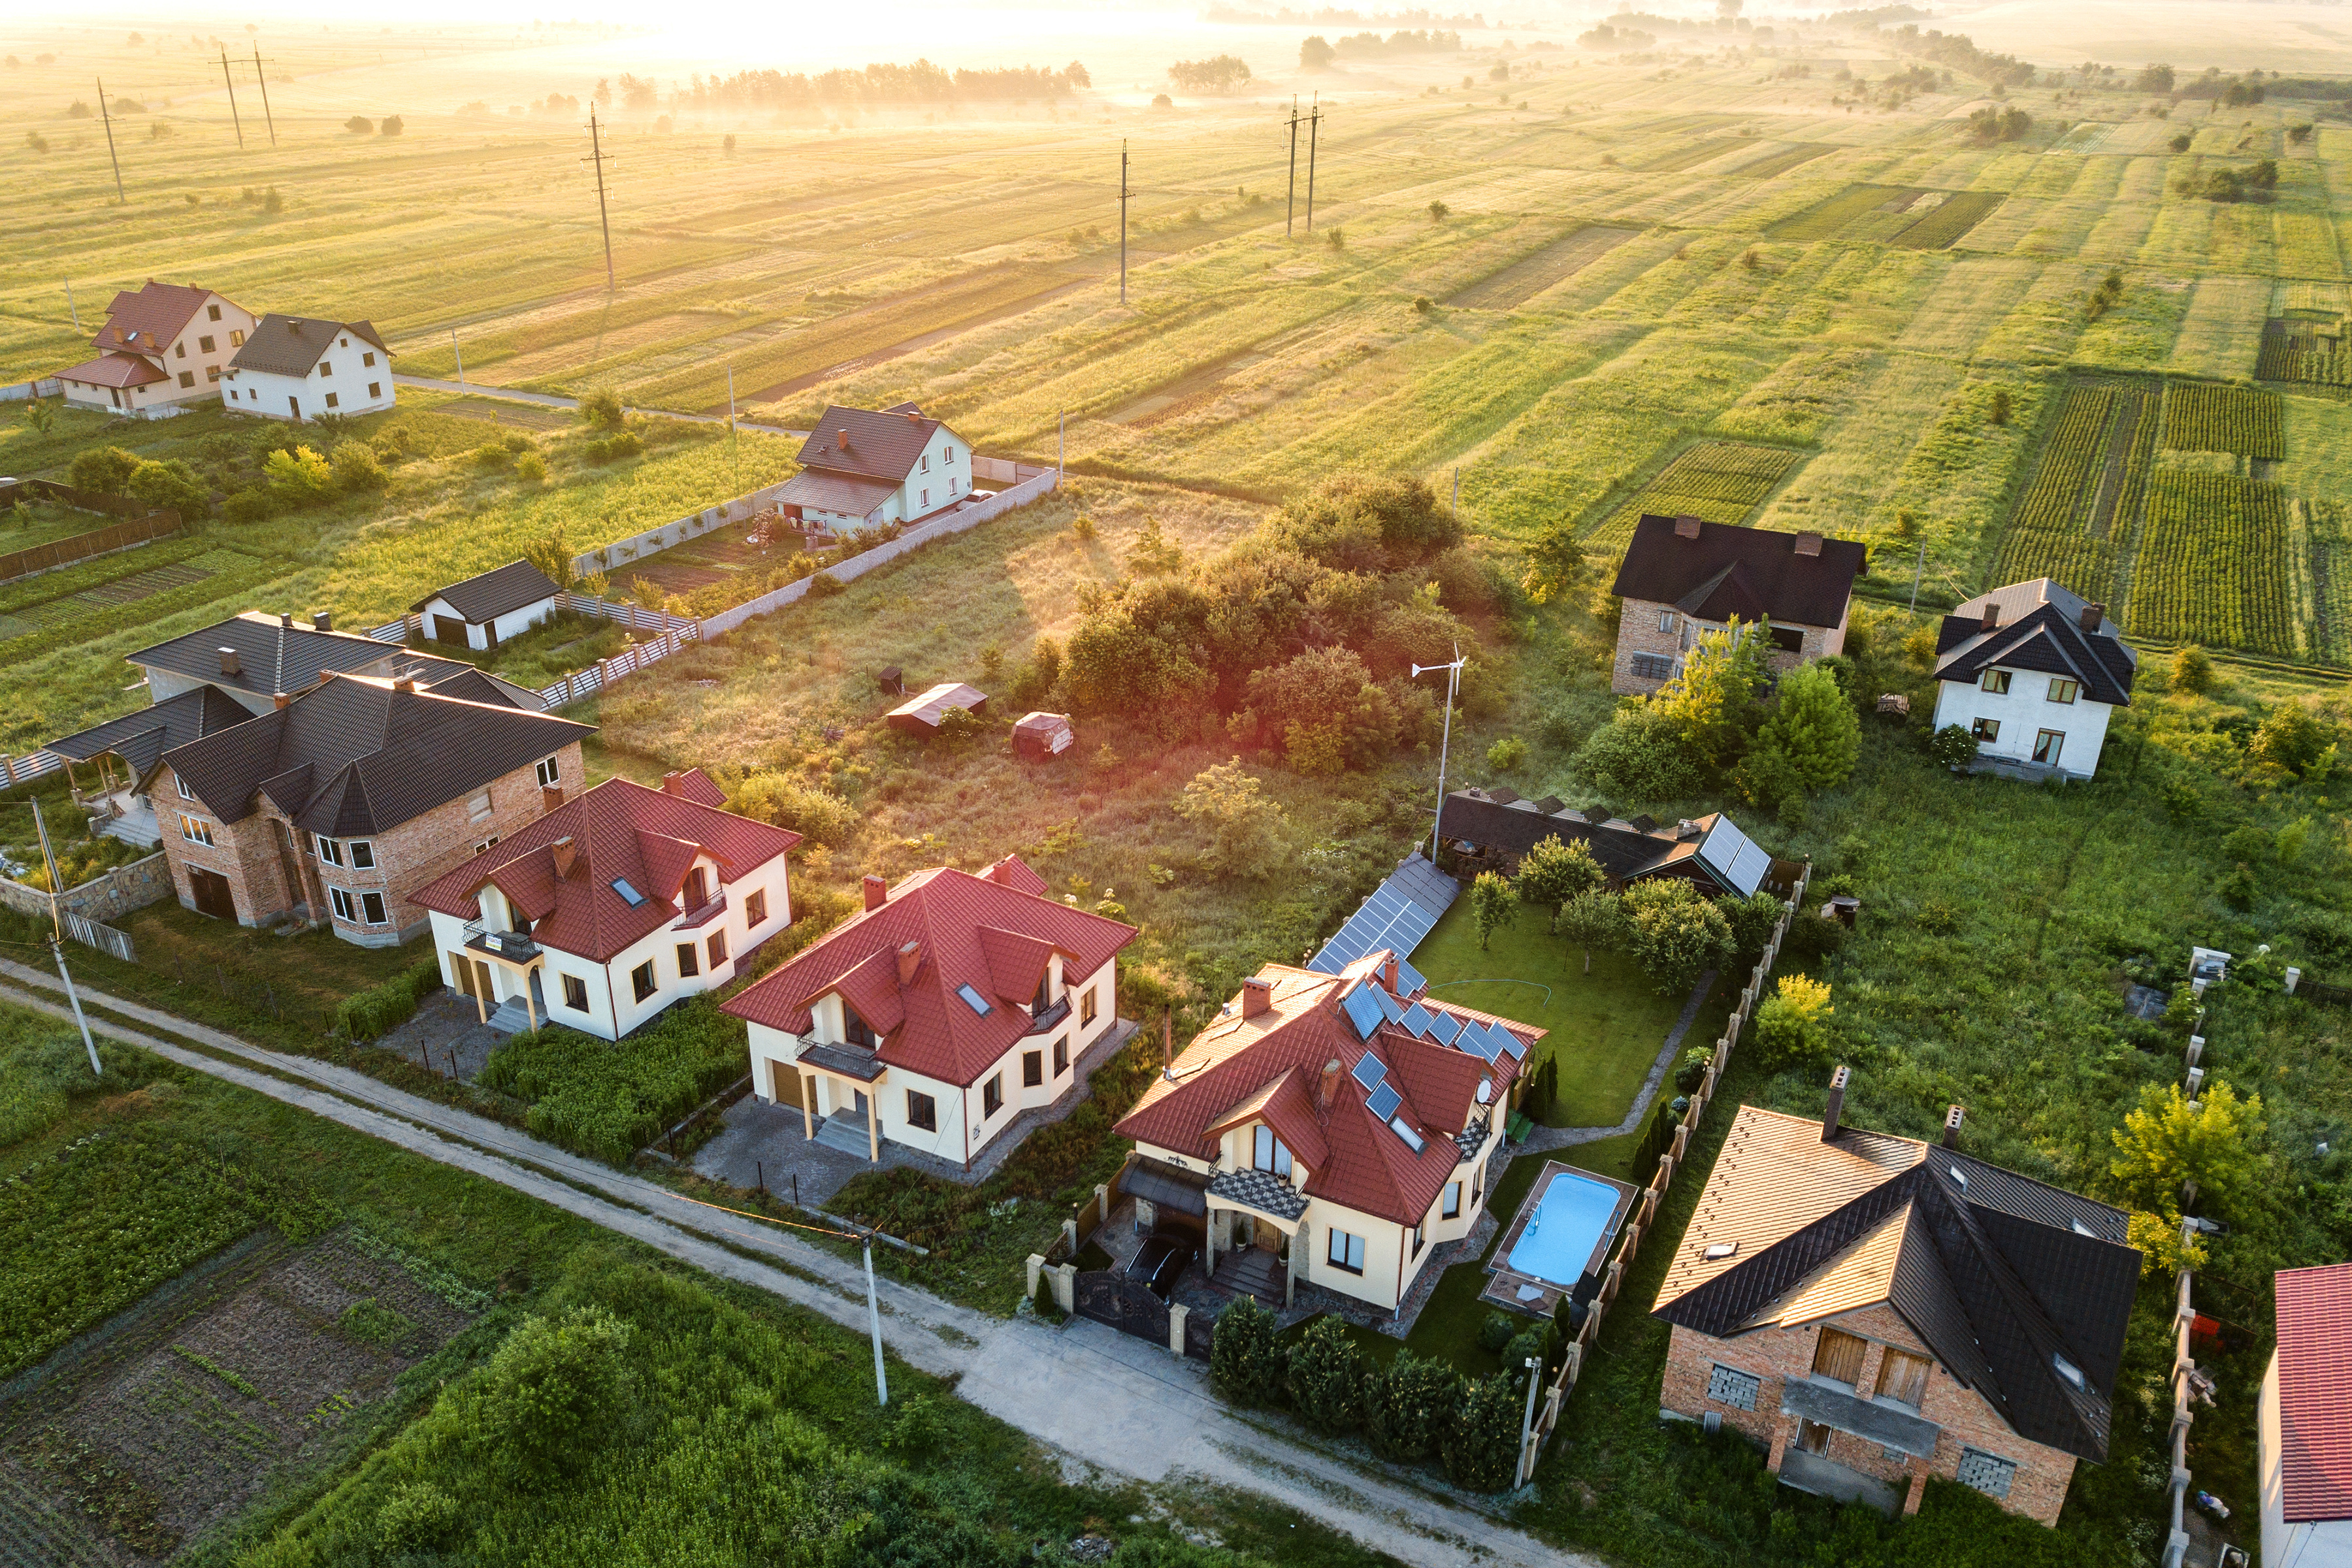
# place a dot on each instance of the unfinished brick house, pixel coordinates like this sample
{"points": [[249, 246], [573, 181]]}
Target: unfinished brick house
{"points": [[336, 806], [1683, 577], [1875, 1311]]}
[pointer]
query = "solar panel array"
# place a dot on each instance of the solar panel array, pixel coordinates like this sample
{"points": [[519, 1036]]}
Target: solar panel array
{"points": [[1397, 916], [1364, 1011], [1734, 858]]}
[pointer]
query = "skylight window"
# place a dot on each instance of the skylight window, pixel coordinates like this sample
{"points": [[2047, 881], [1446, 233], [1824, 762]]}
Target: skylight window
{"points": [[2067, 1369], [629, 895], [975, 1000], [1411, 1139], [1959, 1178], [1717, 1251]]}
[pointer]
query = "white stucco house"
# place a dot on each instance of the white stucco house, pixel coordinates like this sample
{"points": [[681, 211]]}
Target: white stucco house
{"points": [[862, 469], [299, 367], [937, 1015], [2032, 671], [165, 348], [2306, 1472], [496, 606], [611, 907]]}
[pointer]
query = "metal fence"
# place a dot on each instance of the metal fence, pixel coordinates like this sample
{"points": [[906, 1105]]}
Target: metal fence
{"points": [[105, 938]]}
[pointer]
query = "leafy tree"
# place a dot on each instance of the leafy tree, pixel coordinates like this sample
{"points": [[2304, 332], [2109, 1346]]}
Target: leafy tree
{"points": [[2288, 737], [391, 126], [602, 409], [1677, 936], [2192, 670], [2164, 1143], [359, 125], [1245, 826], [1714, 698], [1813, 726], [2158, 1237], [1553, 873], [2153, 79], [552, 1391], [1324, 1376], [1408, 1405], [1327, 708], [297, 477], [1751, 919], [1766, 776], [1482, 1449], [1508, 754], [1221, 74], [1793, 1025], [1491, 904], [553, 555], [1557, 564], [106, 469], [1154, 553], [1638, 753], [1316, 53], [1952, 747], [356, 469], [1437, 211], [1595, 918], [170, 483], [1245, 1358]]}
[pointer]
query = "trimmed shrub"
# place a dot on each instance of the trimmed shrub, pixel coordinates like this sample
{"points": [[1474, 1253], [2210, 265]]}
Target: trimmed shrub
{"points": [[611, 1097], [1481, 1448], [1245, 1358], [380, 1009], [550, 1394], [1324, 1376], [1407, 1406]]}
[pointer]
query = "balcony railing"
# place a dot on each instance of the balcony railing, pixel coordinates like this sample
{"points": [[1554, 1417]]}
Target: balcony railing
{"points": [[1051, 1017], [703, 915], [515, 946]]}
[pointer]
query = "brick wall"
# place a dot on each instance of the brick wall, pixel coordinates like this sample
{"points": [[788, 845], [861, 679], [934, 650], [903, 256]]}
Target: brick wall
{"points": [[1638, 632], [244, 852]]}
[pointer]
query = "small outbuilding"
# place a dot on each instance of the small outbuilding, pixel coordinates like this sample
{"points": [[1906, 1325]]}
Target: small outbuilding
{"points": [[920, 715], [485, 611], [1040, 736]]}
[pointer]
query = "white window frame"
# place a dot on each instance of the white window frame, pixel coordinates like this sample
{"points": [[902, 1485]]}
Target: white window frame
{"points": [[196, 830], [182, 784], [1344, 1250], [345, 909], [372, 910], [363, 854], [1452, 1207], [1268, 1152], [550, 772], [329, 850]]}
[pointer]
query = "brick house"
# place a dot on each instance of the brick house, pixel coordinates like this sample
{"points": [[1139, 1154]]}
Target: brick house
{"points": [[1683, 577], [1341, 1123], [163, 348], [861, 467], [338, 804], [611, 906], [1874, 1310], [945, 1009], [1495, 827], [2035, 672]]}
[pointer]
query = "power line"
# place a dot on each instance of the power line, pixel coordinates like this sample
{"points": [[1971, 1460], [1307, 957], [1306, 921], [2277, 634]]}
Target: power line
{"points": [[57, 940], [1290, 202], [105, 114], [596, 156], [1314, 123], [234, 118]]}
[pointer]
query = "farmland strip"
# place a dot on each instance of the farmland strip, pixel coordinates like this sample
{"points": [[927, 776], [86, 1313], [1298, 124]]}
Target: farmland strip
{"points": [[2214, 568]]}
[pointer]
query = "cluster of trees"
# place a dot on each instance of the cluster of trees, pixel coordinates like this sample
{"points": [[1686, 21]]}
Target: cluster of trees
{"points": [[921, 82], [1605, 37], [1959, 52], [2231, 185], [360, 125], [1990, 125], [1221, 74], [1423, 41]]}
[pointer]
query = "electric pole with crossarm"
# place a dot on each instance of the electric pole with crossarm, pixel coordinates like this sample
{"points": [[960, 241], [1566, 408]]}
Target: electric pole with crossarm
{"points": [[264, 78], [596, 156], [234, 119]]}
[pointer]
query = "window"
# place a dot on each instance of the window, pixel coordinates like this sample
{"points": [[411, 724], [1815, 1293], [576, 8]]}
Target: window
{"points": [[922, 1111], [185, 793], [1665, 620], [371, 909], [1269, 1153], [629, 894], [334, 399], [181, 349], [2066, 1369], [1986, 729], [855, 1030], [331, 852], [641, 979], [1061, 1056], [196, 831], [1728, 1385], [550, 772], [367, 359], [1651, 667], [1344, 1251], [485, 844], [1903, 1378], [991, 1096], [716, 948], [204, 345], [1453, 1209], [236, 338], [326, 369], [1996, 682], [2047, 746], [575, 993], [362, 855], [755, 907], [923, 464], [211, 314], [951, 457], [1838, 1357], [696, 892], [1033, 1069], [342, 902], [1988, 1473], [212, 373], [1418, 1239], [480, 807], [975, 1000], [1044, 997], [187, 378], [689, 961], [927, 497], [376, 389], [2063, 691], [1087, 1007]]}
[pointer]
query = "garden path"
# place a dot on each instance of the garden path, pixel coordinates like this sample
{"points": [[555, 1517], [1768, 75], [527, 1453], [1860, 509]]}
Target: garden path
{"points": [[1102, 1398]]}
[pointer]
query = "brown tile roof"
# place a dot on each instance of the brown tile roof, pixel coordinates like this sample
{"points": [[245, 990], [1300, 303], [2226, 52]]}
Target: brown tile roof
{"points": [[140, 739], [1724, 571], [698, 786], [868, 443], [985, 932], [618, 831], [1275, 1060], [2315, 1400], [290, 345], [115, 369], [151, 317], [485, 597]]}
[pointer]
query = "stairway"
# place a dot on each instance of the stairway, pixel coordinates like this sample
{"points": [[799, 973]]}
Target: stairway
{"points": [[1250, 1270], [844, 1130], [140, 832], [511, 1018]]}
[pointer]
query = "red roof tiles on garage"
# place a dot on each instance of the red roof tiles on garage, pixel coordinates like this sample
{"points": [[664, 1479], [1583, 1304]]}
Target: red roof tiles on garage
{"points": [[2315, 1373]]}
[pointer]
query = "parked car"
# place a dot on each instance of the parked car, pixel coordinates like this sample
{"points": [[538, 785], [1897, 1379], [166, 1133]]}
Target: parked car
{"points": [[1161, 1260]]}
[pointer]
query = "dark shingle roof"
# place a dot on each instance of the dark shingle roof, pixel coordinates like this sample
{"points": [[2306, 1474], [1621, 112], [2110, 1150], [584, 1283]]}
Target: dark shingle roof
{"points": [[480, 686], [290, 345], [2040, 630], [1750, 573], [1716, 847], [140, 739], [484, 598], [848, 494], [273, 655], [878, 445]]}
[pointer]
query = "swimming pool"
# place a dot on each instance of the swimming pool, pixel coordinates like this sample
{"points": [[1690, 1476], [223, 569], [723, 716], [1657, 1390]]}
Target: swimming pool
{"points": [[1566, 1232]]}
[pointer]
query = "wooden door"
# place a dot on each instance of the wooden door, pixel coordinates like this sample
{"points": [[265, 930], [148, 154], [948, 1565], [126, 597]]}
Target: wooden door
{"points": [[465, 969], [211, 890], [1813, 1437]]}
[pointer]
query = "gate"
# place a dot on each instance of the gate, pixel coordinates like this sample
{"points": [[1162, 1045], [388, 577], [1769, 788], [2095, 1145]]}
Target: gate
{"points": [[1124, 1305]]}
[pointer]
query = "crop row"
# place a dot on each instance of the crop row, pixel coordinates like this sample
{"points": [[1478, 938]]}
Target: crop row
{"points": [[1944, 224], [2204, 419], [1721, 481], [2213, 564], [2281, 360], [2050, 534], [1824, 219]]}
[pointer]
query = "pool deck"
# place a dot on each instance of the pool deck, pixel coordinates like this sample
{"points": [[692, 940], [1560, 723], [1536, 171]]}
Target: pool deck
{"points": [[1505, 1283]]}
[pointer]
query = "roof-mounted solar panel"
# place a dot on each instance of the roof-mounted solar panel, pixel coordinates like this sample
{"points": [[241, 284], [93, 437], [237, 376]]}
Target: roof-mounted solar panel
{"points": [[1370, 1071], [1409, 979], [1513, 1044], [1479, 1043], [1416, 1018], [1363, 1009], [1384, 1102], [1391, 1008], [1444, 1027]]}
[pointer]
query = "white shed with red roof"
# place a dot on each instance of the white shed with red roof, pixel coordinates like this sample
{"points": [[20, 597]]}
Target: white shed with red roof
{"points": [[2305, 1420]]}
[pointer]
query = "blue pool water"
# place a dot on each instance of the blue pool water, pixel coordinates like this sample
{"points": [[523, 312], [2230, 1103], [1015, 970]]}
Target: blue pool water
{"points": [[1556, 1245]]}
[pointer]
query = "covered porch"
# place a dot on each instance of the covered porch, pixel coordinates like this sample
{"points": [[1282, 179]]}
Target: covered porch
{"points": [[1251, 1214], [500, 968], [848, 1080], [1814, 1414]]}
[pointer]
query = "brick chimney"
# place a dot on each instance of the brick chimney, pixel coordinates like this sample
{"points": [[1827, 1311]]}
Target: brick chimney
{"points": [[1330, 1088], [1388, 972], [1836, 1106], [286, 619], [674, 783], [910, 958], [550, 796], [567, 854], [1952, 1128], [322, 620], [279, 699], [1685, 527], [877, 891], [841, 439], [1258, 997], [2092, 615], [1992, 616], [228, 662], [403, 684], [1809, 544]]}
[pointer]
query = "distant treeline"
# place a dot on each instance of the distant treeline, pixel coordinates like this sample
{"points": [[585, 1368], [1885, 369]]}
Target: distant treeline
{"points": [[1879, 16], [1630, 22], [921, 82], [1371, 46], [2255, 86], [1231, 15], [1958, 51]]}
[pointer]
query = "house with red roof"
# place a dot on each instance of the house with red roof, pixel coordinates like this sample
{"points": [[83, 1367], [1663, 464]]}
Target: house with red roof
{"points": [[164, 346], [952, 1002], [864, 467], [1340, 1123], [611, 907], [2305, 1423]]}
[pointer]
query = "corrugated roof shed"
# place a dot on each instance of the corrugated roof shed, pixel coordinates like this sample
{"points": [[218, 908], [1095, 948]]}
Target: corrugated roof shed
{"points": [[2315, 1373], [924, 712]]}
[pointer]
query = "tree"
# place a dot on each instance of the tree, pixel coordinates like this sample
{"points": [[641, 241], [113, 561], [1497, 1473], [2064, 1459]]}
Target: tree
{"points": [[1491, 904], [1221, 74], [299, 477], [811, 810], [1557, 564], [172, 484], [2289, 738], [2164, 1143], [2153, 79], [553, 1388], [355, 467], [2000, 406], [602, 409], [1595, 918], [1712, 700], [1324, 1376], [1244, 826], [41, 414], [359, 125], [2192, 670], [1638, 753], [1677, 936], [1245, 1358], [1327, 708], [1482, 1449], [391, 126], [1316, 53], [1553, 873], [105, 469], [1154, 553], [553, 555], [1813, 726], [1793, 1025], [1751, 919], [1408, 1405], [1437, 211]]}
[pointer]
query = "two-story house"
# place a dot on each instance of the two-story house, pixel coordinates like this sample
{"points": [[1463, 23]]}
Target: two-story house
{"points": [[164, 346], [299, 367], [1340, 1123], [861, 468], [1875, 1311], [611, 907], [337, 806], [2306, 1444], [2033, 671], [950, 1004], [1683, 577]]}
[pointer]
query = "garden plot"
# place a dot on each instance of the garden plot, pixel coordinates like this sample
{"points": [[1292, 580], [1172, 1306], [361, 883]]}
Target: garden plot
{"points": [[2083, 502], [2213, 565], [1722, 481], [1532, 274], [2199, 418], [1780, 160], [1901, 215]]}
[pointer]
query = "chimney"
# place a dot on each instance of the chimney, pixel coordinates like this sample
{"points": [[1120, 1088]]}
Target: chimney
{"points": [[322, 620], [279, 699], [1952, 1128], [841, 439], [566, 853], [910, 958], [550, 796], [228, 662], [1330, 1088], [1388, 972], [405, 684], [1809, 545], [1258, 997], [286, 619], [1686, 527], [673, 783], [2092, 615], [1836, 1106], [1992, 616], [1167, 1045], [877, 891]]}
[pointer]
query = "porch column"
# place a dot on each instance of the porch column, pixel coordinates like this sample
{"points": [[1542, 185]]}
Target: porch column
{"points": [[1919, 1484], [808, 1106], [480, 974], [1209, 1233], [1782, 1430], [873, 1126], [530, 1007], [1298, 1261]]}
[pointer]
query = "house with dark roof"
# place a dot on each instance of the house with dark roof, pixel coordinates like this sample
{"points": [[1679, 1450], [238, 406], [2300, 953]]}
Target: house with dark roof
{"points": [[2033, 671], [862, 469], [338, 804], [1327, 1129], [1493, 828], [299, 367], [611, 907], [1875, 1311], [1683, 577], [950, 1004], [2305, 1423], [489, 608], [164, 346]]}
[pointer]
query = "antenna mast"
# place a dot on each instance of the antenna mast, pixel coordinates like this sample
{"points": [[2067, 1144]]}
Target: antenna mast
{"points": [[106, 113], [596, 156], [234, 118]]}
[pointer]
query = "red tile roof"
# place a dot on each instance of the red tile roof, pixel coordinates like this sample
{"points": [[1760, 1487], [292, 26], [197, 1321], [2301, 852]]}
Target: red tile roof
{"points": [[617, 831], [1014, 872], [988, 932], [2315, 1373], [114, 370], [1271, 1067], [152, 317]]}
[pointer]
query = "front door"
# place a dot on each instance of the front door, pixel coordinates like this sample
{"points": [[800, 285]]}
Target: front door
{"points": [[212, 893], [464, 968], [1813, 1437], [857, 1102]]}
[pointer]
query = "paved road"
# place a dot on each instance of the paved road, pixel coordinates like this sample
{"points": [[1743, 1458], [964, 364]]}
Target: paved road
{"points": [[551, 400], [1102, 1397]]}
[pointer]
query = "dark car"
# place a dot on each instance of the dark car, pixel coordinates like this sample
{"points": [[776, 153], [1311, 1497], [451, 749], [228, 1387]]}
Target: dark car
{"points": [[1161, 1261]]}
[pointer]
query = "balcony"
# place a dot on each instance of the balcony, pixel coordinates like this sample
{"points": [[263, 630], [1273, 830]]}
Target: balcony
{"points": [[702, 916], [1051, 1018], [1888, 1425], [847, 1061], [513, 947]]}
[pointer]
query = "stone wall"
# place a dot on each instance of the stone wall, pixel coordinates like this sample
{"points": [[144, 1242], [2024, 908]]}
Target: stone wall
{"points": [[104, 898]]}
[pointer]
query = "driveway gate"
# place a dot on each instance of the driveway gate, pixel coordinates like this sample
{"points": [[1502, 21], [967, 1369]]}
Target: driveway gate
{"points": [[1124, 1304]]}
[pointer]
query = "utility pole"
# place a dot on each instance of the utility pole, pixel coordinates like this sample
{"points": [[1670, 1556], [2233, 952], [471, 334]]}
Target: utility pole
{"points": [[1314, 123], [1122, 220], [460, 353], [231, 81], [264, 77], [1290, 202], [105, 113], [56, 941], [874, 1320], [596, 156], [1918, 567], [71, 307]]}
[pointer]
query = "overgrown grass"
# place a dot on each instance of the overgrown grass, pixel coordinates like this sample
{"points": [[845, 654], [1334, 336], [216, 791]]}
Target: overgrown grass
{"points": [[612, 1097]]}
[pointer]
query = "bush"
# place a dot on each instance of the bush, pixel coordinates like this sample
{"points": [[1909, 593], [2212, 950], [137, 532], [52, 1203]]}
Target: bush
{"points": [[1690, 1068], [1496, 1332], [2192, 670], [492, 457], [611, 1097], [1793, 1026], [810, 810], [1507, 755], [612, 449], [1751, 919], [530, 466], [1245, 1358], [1676, 936], [359, 125], [106, 469], [552, 1392], [171, 484], [1245, 826], [369, 1015], [418, 1516], [297, 477], [391, 126], [247, 506], [1324, 1376], [1407, 1407], [602, 409], [1639, 753], [1952, 747], [1481, 1451], [355, 467]]}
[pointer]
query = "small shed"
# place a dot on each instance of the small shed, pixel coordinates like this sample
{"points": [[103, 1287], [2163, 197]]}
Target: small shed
{"points": [[1041, 736], [485, 611], [921, 714]]}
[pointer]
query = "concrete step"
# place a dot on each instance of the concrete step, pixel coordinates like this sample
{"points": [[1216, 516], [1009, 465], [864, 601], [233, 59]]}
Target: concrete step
{"points": [[512, 1019], [140, 831], [845, 1130]]}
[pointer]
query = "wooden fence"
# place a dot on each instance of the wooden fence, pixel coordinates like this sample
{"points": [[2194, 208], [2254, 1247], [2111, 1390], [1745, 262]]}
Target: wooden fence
{"points": [[143, 523]]}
